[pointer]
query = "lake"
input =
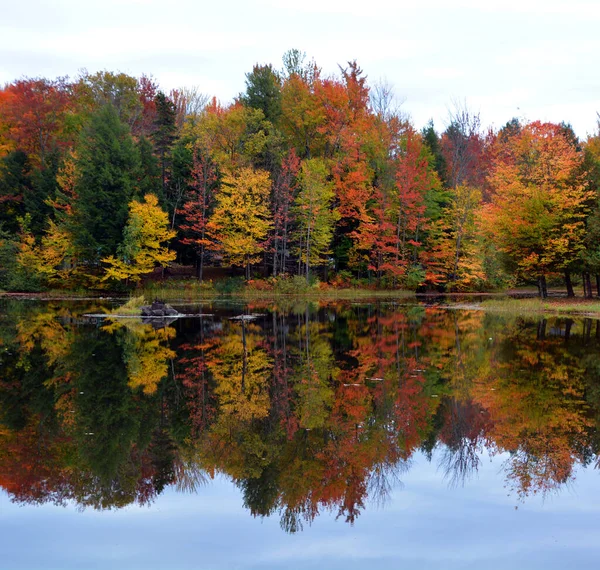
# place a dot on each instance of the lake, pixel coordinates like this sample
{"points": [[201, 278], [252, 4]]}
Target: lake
{"points": [[297, 435]]}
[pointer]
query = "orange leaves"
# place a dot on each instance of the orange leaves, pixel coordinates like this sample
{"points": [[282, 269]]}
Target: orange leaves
{"points": [[32, 114], [539, 199]]}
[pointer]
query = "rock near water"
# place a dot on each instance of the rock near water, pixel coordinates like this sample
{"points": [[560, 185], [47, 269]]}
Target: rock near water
{"points": [[159, 309]]}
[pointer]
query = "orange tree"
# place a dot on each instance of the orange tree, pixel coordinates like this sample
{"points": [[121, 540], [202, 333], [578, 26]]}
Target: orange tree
{"points": [[539, 201]]}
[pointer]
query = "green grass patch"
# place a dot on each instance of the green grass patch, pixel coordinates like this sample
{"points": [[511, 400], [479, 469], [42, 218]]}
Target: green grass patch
{"points": [[291, 287], [131, 307], [562, 306]]}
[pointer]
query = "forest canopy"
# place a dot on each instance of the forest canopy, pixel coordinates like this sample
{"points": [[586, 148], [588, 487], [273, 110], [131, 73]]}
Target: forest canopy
{"points": [[105, 177]]}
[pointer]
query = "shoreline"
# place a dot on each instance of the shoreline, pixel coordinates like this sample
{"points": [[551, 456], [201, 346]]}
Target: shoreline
{"points": [[516, 302]]}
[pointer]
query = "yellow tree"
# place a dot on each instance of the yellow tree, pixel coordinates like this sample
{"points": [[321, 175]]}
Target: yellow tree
{"points": [[240, 221], [143, 246], [455, 257], [314, 214], [49, 262]]}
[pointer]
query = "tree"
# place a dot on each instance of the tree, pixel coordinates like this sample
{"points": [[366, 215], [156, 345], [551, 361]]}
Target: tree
{"points": [[302, 117], [462, 148], [119, 90], [241, 218], [263, 91], [432, 140], [106, 162], [196, 210], [50, 262], [539, 202], [33, 115], [15, 182], [164, 133], [143, 246], [313, 213], [148, 177], [455, 258], [283, 196]]}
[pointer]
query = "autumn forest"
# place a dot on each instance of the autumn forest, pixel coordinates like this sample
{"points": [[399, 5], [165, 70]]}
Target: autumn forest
{"points": [[106, 180]]}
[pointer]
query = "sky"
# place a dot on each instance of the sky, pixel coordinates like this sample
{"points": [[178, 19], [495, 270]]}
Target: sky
{"points": [[532, 59], [424, 524]]}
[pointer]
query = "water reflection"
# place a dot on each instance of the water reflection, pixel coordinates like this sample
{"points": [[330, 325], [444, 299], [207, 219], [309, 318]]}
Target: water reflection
{"points": [[309, 408]]}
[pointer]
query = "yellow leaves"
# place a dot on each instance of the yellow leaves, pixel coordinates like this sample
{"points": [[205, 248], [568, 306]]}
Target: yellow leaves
{"points": [[233, 134], [118, 270], [43, 327], [142, 250], [457, 254], [51, 261], [242, 370], [540, 200], [147, 364], [146, 352], [240, 221]]}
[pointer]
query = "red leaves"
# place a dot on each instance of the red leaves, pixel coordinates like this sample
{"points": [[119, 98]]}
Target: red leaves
{"points": [[33, 112]]}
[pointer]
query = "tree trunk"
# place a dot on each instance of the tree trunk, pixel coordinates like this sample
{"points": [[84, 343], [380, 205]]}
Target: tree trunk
{"points": [[598, 283], [307, 253], [569, 284], [587, 288], [275, 258], [542, 287]]}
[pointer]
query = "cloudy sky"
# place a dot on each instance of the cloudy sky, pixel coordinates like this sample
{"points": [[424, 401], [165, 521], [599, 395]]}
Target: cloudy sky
{"points": [[424, 524], [535, 59]]}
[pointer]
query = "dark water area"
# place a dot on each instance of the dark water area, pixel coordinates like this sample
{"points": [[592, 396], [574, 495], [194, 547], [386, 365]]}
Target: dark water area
{"points": [[304, 435]]}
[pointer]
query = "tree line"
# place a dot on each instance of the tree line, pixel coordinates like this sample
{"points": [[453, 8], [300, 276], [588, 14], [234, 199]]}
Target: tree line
{"points": [[105, 177]]}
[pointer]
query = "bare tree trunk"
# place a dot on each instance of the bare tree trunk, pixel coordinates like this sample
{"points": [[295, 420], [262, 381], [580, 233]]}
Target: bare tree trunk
{"points": [[569, 284], [307, 252], [201, 268], [587, 286], [542, 287]]}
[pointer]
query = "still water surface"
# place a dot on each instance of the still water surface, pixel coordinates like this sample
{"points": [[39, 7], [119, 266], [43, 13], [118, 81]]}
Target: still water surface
{"points": [[319, 435]]}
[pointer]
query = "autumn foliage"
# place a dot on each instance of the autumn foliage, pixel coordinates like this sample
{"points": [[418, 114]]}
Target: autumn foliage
{"points": [[303, 173]]}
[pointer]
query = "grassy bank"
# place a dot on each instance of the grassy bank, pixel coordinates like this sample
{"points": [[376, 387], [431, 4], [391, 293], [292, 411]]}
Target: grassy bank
{"points": [[185, 291], [561, 306]]}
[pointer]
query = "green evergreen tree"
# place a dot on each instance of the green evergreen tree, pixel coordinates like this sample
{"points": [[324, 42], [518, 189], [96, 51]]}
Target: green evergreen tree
{"points": [[107, 162], [41, 191], [165, 132], [432, 141], [263, 91], [15, 182], [149, 179]]}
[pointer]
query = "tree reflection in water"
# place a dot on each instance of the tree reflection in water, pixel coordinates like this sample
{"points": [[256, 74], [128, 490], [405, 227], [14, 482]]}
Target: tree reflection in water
{"points": [[320, 406]]}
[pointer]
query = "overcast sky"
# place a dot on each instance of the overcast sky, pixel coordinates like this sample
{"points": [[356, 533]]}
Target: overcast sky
{"points": [[425, 524], [534, 59]]}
